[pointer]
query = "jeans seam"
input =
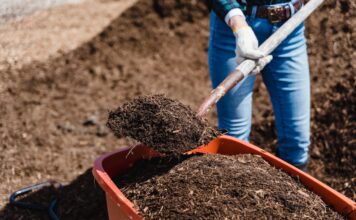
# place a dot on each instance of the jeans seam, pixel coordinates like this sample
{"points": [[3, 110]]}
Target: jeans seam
{"points": [[213, 32]]}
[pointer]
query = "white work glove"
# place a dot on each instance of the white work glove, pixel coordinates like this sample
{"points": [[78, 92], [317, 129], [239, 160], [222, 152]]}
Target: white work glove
{"points": [[247, 48]]}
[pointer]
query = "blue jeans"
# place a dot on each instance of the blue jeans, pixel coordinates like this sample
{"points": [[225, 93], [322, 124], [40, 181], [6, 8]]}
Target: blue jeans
{"points": [[287, 81]]}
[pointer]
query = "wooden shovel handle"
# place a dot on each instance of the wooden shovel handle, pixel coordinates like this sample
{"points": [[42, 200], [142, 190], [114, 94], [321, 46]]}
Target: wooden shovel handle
{"points": [[230, 81]]}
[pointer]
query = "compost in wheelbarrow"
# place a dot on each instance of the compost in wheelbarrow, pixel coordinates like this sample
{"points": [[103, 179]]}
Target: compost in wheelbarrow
{"points": [[218, 187], [117, 164]]}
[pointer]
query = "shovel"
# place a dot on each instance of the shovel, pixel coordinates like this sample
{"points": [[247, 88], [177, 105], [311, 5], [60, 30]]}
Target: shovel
{"points": [[244, 69]]}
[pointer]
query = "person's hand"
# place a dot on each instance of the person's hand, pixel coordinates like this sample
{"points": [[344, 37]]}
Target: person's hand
{"points": [[247, 44]]}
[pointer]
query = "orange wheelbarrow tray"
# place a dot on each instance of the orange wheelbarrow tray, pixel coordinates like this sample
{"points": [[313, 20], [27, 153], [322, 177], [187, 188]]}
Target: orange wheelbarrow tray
{"points": [[120, 208]]}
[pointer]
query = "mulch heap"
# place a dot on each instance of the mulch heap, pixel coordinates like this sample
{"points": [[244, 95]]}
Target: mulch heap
{"points": [[164, 124], [218, 187], [336, 122]]}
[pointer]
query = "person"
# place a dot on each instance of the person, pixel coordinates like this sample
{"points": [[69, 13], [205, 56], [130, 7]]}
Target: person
{"points": [[236, 27]]}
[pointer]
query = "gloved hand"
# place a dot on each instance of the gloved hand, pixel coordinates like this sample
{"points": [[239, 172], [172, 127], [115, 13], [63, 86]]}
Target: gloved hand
{"points": [[247, 48]]}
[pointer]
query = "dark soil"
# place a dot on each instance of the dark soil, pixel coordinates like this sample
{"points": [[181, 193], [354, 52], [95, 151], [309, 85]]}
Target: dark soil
{"points": [[82, 199], [337, 122], [164, 124], [159, 47], [218, 187]]}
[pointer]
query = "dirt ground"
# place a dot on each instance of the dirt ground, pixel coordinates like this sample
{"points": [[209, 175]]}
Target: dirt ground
{"points": [[53, 110], [17, 9], [55, 31]]}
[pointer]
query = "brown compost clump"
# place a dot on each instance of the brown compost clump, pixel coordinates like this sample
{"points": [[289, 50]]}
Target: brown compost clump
{"points": [[162, 123]]}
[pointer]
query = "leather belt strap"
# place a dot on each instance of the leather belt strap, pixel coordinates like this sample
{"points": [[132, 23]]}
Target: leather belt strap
{"points": [[274, 13]]}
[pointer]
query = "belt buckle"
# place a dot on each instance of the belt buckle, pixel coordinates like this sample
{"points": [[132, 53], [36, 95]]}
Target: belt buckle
{"points": [[273, 13]]}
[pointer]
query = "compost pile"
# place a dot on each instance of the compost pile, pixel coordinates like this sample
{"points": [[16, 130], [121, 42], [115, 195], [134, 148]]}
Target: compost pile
{"points": [[218, 187], [164, 124], [337, 121]]}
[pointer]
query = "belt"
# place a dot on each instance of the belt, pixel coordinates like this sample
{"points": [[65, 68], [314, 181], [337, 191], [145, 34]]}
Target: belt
{"points": [[274, 13]]}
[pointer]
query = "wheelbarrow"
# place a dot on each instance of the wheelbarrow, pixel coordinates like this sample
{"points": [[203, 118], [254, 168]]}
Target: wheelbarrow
{"points": [[117, 163]]}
